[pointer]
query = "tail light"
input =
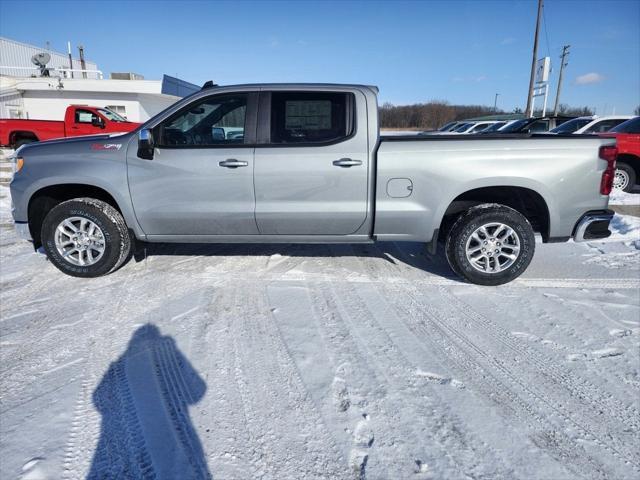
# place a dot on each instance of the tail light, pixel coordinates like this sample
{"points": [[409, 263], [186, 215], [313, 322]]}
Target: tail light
{"points": [[608, 153]]}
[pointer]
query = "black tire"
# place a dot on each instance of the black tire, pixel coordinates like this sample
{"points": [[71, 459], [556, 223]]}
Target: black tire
{"points": [[630, 173], [23, 141], [117, 241], [473, 219]]}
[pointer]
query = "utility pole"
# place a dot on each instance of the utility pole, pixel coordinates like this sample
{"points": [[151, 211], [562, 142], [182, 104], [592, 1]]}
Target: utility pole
{"points": [[565, 52], [83, 64], [70, 59], [527, 112], [495, 103]]}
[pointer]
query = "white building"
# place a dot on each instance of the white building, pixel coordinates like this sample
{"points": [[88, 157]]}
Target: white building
{"points": [[15, 61], [45, 98], [24, 93]]}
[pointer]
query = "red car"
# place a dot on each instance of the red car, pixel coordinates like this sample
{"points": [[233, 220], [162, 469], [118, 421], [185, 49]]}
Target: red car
{"points": [[78, 120], [627, 135]]}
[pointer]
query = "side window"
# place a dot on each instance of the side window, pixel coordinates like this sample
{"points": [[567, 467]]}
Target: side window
{"points": [[213, 121], [310, 117], [539, 126], [85, 116], [603, 126]]}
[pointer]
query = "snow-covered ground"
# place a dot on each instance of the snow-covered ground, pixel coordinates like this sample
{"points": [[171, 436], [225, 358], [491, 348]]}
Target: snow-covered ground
{"points": [[292, 362]]}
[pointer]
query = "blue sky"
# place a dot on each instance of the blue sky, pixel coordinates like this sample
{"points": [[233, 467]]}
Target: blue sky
{"points": [[415, 51]]}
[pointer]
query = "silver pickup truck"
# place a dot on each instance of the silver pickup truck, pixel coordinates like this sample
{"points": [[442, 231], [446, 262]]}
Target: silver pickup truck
{"points": [[306, 163]]}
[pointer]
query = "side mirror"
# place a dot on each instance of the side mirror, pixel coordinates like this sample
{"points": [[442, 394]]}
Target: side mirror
{"points": [[145, 144], [97, 122]]}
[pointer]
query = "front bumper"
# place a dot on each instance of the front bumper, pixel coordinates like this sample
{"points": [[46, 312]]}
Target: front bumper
{"points": [[593, 225], [22, 229]]}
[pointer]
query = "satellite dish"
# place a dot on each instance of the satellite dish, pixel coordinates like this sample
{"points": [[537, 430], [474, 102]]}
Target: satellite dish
{"points": [[41, 59]]}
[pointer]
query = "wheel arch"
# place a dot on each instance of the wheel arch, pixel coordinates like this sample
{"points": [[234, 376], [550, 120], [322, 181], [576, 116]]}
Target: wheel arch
{"points": [[44, 199], [17, 135], [525, 200]]}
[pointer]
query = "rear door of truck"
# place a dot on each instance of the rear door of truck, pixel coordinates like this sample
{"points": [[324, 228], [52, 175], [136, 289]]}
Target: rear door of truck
{"points": [[311, 162]]}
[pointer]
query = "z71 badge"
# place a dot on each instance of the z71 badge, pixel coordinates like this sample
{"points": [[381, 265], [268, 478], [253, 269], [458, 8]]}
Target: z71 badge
{"points": [[106, 146]]}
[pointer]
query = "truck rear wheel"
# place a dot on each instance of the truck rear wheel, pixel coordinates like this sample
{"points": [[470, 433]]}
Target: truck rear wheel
{"points": [[490, 244], [85, 237]]}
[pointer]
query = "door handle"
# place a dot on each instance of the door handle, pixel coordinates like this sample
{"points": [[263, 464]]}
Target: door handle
{"points": [[233, 163], [347, 162]]}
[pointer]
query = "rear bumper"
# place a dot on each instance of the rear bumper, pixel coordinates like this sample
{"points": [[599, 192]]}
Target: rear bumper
{"points": [[593, 225]]}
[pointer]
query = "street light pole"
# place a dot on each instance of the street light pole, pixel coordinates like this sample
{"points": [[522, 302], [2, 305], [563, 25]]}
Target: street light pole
{"points": [[528, 112], [565, 52], [495, 103]]}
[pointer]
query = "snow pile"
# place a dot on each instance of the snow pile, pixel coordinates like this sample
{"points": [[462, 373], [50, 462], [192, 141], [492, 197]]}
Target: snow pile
{"points": [[5, 205], [625, 228], [618, 197]]}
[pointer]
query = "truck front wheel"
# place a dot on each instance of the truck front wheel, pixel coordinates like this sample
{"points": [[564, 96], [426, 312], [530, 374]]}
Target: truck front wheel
{"points": [[85, 237], [490, 244]]}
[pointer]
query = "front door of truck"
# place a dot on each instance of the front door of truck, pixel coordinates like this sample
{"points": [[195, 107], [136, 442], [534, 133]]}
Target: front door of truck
{"points": [[311, 163], [200, 180], [86, 122]]}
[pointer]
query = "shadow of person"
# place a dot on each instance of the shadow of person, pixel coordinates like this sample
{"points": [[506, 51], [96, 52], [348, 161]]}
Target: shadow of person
{"points": [[144, 399]]}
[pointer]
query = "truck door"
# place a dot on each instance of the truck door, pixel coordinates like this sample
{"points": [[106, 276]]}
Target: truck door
{"points": [[85, 122], [200, 180], [311, 163]]}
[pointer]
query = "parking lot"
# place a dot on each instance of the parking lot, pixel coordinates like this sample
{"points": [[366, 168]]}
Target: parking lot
{"points": [[299, 361]]}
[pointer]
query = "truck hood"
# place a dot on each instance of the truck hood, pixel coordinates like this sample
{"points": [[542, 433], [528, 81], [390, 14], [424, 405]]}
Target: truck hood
{"points": [[121, 137]]}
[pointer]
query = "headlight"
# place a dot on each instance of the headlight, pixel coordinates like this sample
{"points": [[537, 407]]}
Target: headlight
{"points": [[18, 164]]}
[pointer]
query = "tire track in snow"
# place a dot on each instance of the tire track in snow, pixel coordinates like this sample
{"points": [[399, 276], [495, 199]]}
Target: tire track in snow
{"points": [[506, 388], [276, 402], [454, 451], [233, 451], [547, 313], [364, 384], [579, 388]]}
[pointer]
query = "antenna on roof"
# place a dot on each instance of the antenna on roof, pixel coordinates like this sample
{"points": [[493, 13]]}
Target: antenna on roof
{"points": [[208, 84]]}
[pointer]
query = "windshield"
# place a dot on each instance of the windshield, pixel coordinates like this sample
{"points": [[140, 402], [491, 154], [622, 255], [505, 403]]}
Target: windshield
{"points": [[447, 127], [113, 116], [494, 127], [630, 126], [572, 125], [462, 127], [517, 125]]}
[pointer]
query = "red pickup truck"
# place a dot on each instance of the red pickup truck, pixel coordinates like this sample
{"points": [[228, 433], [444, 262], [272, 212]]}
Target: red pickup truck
{"points": [[78, 120], [627, 135]]}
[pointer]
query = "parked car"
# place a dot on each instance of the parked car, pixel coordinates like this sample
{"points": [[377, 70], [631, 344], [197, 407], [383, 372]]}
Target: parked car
{"points": [[591, 124], [78, 120], [310, 167], [534, 125], [447, 127], [480, 127], [627, 137]]}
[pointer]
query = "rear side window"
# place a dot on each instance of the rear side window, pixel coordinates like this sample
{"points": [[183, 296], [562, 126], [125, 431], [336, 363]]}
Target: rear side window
{"points": [[310, 117]]}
